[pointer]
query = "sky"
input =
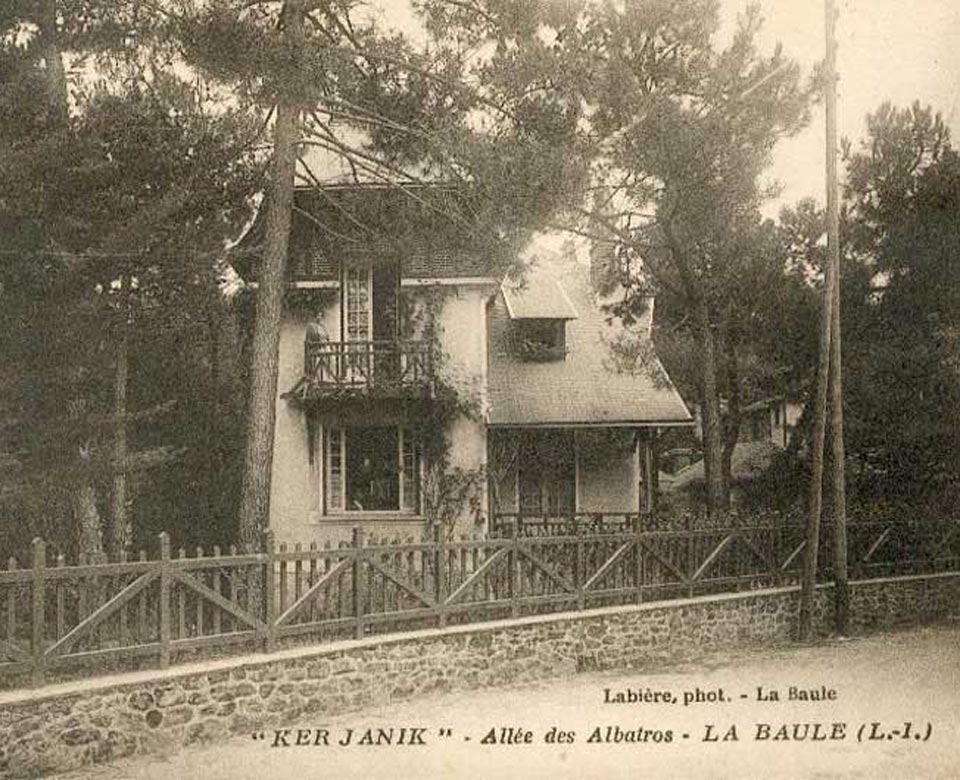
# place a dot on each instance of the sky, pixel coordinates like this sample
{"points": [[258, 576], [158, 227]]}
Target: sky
{"points": [[888, 50]]}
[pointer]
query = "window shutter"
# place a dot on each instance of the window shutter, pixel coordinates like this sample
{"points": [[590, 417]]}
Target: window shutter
{"points": [[409, 469], [334, 463]]}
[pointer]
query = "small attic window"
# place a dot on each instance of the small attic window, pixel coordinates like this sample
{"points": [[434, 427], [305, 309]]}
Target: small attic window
{"points": [[539, 314], [540, 339]]}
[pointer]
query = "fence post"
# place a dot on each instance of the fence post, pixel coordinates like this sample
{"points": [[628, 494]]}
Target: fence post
{"points": [[579, 571], [38, 622], [164, 600], [269, 591], [639, 560], [513, 563], [691, 555], [736, 536], [775, 553], [358, 581], [61, 599], [859, 559], [440, 585]]}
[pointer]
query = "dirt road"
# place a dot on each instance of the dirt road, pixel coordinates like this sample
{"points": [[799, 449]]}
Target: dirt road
{"points": [[907, 683]]}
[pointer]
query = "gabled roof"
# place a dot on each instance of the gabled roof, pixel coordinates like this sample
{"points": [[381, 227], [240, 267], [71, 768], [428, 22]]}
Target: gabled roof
{"points": [[768, 403], [749, 460], [588, 386]]}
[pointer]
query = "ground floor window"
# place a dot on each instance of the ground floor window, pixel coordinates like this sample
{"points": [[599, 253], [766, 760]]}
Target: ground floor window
{"points": [[371, 469]]}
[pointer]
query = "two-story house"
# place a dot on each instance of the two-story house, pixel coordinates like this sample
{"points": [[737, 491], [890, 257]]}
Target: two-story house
{"points": [[417, 384]]}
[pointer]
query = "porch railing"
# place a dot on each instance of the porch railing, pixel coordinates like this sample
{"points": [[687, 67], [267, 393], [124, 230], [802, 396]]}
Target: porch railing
{"points": [[565, 523], [561, 524], [333, 365], [58, 620]]}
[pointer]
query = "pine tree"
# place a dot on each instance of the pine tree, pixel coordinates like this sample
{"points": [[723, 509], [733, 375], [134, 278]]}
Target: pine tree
{"points": [[118, 195]]}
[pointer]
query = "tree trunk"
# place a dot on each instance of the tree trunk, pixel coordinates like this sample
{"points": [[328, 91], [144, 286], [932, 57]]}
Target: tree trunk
{"points": [[213, 463], [83, 501], [120, 539], [710, 391], [85, 514], [56, 82], [731, 423], [258, 453]]}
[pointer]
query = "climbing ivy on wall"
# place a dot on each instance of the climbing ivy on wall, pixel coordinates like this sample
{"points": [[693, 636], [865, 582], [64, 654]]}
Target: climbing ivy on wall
{"points": [[447, 492]]}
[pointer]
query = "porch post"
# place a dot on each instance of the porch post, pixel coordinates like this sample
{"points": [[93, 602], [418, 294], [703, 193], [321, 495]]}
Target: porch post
{"points": [[645, 462], [576, 474], [655, 468], [491, 489], [642, 483]]}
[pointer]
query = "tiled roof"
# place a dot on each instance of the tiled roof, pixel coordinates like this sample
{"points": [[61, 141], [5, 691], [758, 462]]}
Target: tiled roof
{"points": [[444, 264], [587, 386], [549, 301], [319, 261]]}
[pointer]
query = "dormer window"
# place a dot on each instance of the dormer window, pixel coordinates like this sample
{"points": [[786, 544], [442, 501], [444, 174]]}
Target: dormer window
{"points": [[541, 339], [539, 312]]}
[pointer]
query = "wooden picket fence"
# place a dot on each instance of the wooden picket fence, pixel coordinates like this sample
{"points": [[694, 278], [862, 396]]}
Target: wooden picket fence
{"points": [[61, 620]]}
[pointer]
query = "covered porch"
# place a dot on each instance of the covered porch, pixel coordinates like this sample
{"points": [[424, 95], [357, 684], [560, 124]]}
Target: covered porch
{"points": [[545, 479]]}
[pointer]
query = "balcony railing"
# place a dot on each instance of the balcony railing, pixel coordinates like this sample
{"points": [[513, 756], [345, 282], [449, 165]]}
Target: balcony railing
{"points": [[391, 366]]}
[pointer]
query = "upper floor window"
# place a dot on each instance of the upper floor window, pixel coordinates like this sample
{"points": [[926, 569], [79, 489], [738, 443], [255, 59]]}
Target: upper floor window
{"points": [[369, 296], [357, 303], [539, 311], [540, 339]]}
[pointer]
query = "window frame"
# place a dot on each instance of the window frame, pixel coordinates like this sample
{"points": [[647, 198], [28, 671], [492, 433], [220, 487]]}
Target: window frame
{"points": [[356, 277], [334, 474], [541, 339]]}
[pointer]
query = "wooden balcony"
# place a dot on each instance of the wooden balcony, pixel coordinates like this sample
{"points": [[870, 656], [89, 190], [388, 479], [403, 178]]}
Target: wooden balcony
{"points": [[384, 368]]}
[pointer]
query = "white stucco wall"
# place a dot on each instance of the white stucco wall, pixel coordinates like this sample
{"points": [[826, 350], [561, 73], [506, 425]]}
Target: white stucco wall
{"points": [[295, 484], [463, 341], [462, 335], [290, 486]]}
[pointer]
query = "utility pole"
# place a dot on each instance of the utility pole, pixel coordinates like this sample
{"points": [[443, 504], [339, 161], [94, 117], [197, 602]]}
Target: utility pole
{"points": [[838, 494], [830, 307]]}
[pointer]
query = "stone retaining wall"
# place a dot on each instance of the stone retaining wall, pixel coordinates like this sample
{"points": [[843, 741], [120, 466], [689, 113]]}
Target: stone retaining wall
{"points": [[61, 727]]}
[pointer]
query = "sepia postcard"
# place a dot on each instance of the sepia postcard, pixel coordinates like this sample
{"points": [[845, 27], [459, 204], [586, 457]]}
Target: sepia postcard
{"points": [[479, 389]]}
